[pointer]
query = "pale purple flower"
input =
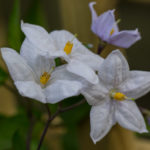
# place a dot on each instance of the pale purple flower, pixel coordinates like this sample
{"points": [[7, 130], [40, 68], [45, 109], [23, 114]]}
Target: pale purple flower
{"points": [[106, 28]]}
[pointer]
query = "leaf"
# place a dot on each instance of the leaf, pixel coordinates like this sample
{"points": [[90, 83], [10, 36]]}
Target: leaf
{"points": [[3, 76], [14, 31]]}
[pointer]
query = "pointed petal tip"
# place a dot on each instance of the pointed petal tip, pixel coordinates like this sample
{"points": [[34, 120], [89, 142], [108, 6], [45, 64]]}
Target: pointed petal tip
{"points": [[5, 50], [143, 131], [117, 51], [94, 140], [92, 3]]}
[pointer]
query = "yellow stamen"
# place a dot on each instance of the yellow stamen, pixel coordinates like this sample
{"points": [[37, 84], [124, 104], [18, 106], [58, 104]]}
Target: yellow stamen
{"points": [[113, 30], [119, 96], [69, 45], [44, 78]]}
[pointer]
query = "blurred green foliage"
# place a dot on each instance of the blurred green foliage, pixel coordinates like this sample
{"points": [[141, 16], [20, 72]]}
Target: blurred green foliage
{"points": [[14, 31]]}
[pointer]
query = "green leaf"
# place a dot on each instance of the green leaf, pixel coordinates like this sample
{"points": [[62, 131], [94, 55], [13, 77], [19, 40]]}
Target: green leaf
{"points": [[14, 31], [3, 76]]}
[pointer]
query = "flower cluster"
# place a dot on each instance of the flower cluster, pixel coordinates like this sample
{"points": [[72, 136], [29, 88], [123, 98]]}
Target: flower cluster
{"points": [[107, 84]]}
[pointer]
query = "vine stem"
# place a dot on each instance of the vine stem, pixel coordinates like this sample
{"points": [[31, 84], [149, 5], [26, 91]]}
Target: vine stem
{"points": [[51, 117]]}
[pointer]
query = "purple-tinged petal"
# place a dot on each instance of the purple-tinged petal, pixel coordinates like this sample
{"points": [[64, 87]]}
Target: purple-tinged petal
{"points": [[125, 39], [94, 14], [103, 24]]}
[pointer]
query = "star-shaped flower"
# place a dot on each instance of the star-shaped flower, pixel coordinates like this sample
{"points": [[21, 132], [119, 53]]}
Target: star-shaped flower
{"points": [[36, 76], [112, 99], [106, 28], [65, 45]]}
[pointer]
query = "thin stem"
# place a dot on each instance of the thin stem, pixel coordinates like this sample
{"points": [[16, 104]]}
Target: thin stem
{"points": [[72, 106], [60, 110], [101, 47], [48, 110]]}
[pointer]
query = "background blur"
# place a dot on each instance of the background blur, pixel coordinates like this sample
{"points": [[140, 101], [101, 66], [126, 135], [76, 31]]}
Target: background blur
{"points": [[69, 131]]}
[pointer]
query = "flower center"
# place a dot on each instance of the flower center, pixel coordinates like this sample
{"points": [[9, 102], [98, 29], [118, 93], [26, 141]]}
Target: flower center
{"points": [[119, 96], [44, 78], [113, 30], [69, 45]]}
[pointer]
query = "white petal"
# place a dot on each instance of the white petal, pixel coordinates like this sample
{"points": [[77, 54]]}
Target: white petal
{"points": [[61, 73], [114, 69], [89, 58], [31, 90], [101, 119], [96, 94], [38, 63], [17, 66], [83, 70], [61, 37], [137, 85], [62, 89], [38, 36], [128, 115], [79, 51]]}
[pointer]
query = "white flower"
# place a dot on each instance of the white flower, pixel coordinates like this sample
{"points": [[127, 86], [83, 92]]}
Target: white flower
{"points": [[65, 45], [112, 98], [36, 77]]}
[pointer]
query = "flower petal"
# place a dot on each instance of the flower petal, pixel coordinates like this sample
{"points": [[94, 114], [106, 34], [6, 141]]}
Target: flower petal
{"points": [[128, 115], [37, 62], [39, 37], [94, 14], [96, 94], [61, 73], [114, 69], [79, 51], [62, 89], [101, 119], [125, 39], [31, 90], [88, 58], [137, 85], [61, 37], [82, 70], [17, 66], [103, 24]]}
